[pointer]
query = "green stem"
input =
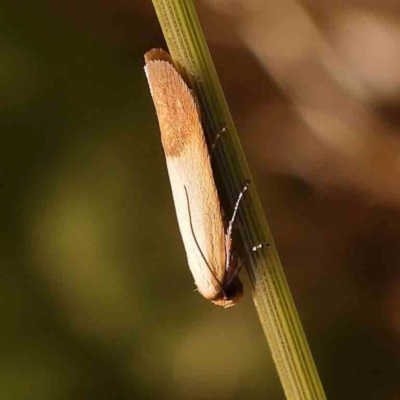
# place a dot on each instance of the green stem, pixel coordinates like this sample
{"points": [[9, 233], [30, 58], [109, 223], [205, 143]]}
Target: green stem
{"points": [[272, 296]]}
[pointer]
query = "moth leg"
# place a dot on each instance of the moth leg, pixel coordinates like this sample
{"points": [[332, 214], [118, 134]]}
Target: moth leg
{"points": [[216, 140], [228, 235], [254, 249], [259, 246], [235, 210]]}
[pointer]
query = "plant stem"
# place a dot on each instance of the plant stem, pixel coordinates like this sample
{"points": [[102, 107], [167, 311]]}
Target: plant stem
{"points": [[272, 297]]}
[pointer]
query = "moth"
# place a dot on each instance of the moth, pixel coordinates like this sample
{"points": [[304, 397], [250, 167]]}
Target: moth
{"points": [[206, 236]]}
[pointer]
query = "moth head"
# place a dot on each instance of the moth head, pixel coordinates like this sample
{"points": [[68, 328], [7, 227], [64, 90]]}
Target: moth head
{"points": [[230, 295]]}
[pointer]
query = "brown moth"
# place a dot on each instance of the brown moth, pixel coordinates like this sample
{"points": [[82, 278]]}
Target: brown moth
{"points": [[208, 244]]}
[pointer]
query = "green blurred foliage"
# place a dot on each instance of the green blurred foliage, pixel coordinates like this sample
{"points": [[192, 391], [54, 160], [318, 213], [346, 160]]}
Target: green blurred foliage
{"points": [[97, 300]]}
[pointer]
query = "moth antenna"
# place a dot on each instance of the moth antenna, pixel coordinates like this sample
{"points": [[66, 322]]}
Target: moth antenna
{"points": [[198, 246]]}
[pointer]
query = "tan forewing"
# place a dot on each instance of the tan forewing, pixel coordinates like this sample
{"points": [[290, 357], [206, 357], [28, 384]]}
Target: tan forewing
{"points": [[195, 195]]}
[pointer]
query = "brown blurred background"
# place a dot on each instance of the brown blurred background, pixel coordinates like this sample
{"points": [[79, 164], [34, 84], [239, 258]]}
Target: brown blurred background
{"points": [[97, 300]]}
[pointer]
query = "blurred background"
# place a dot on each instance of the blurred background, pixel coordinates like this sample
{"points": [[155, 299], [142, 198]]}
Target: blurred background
{"points": [[97, 301]]}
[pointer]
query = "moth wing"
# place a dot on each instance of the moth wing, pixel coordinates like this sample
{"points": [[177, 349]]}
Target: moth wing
{"points": [[195, 195]]}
